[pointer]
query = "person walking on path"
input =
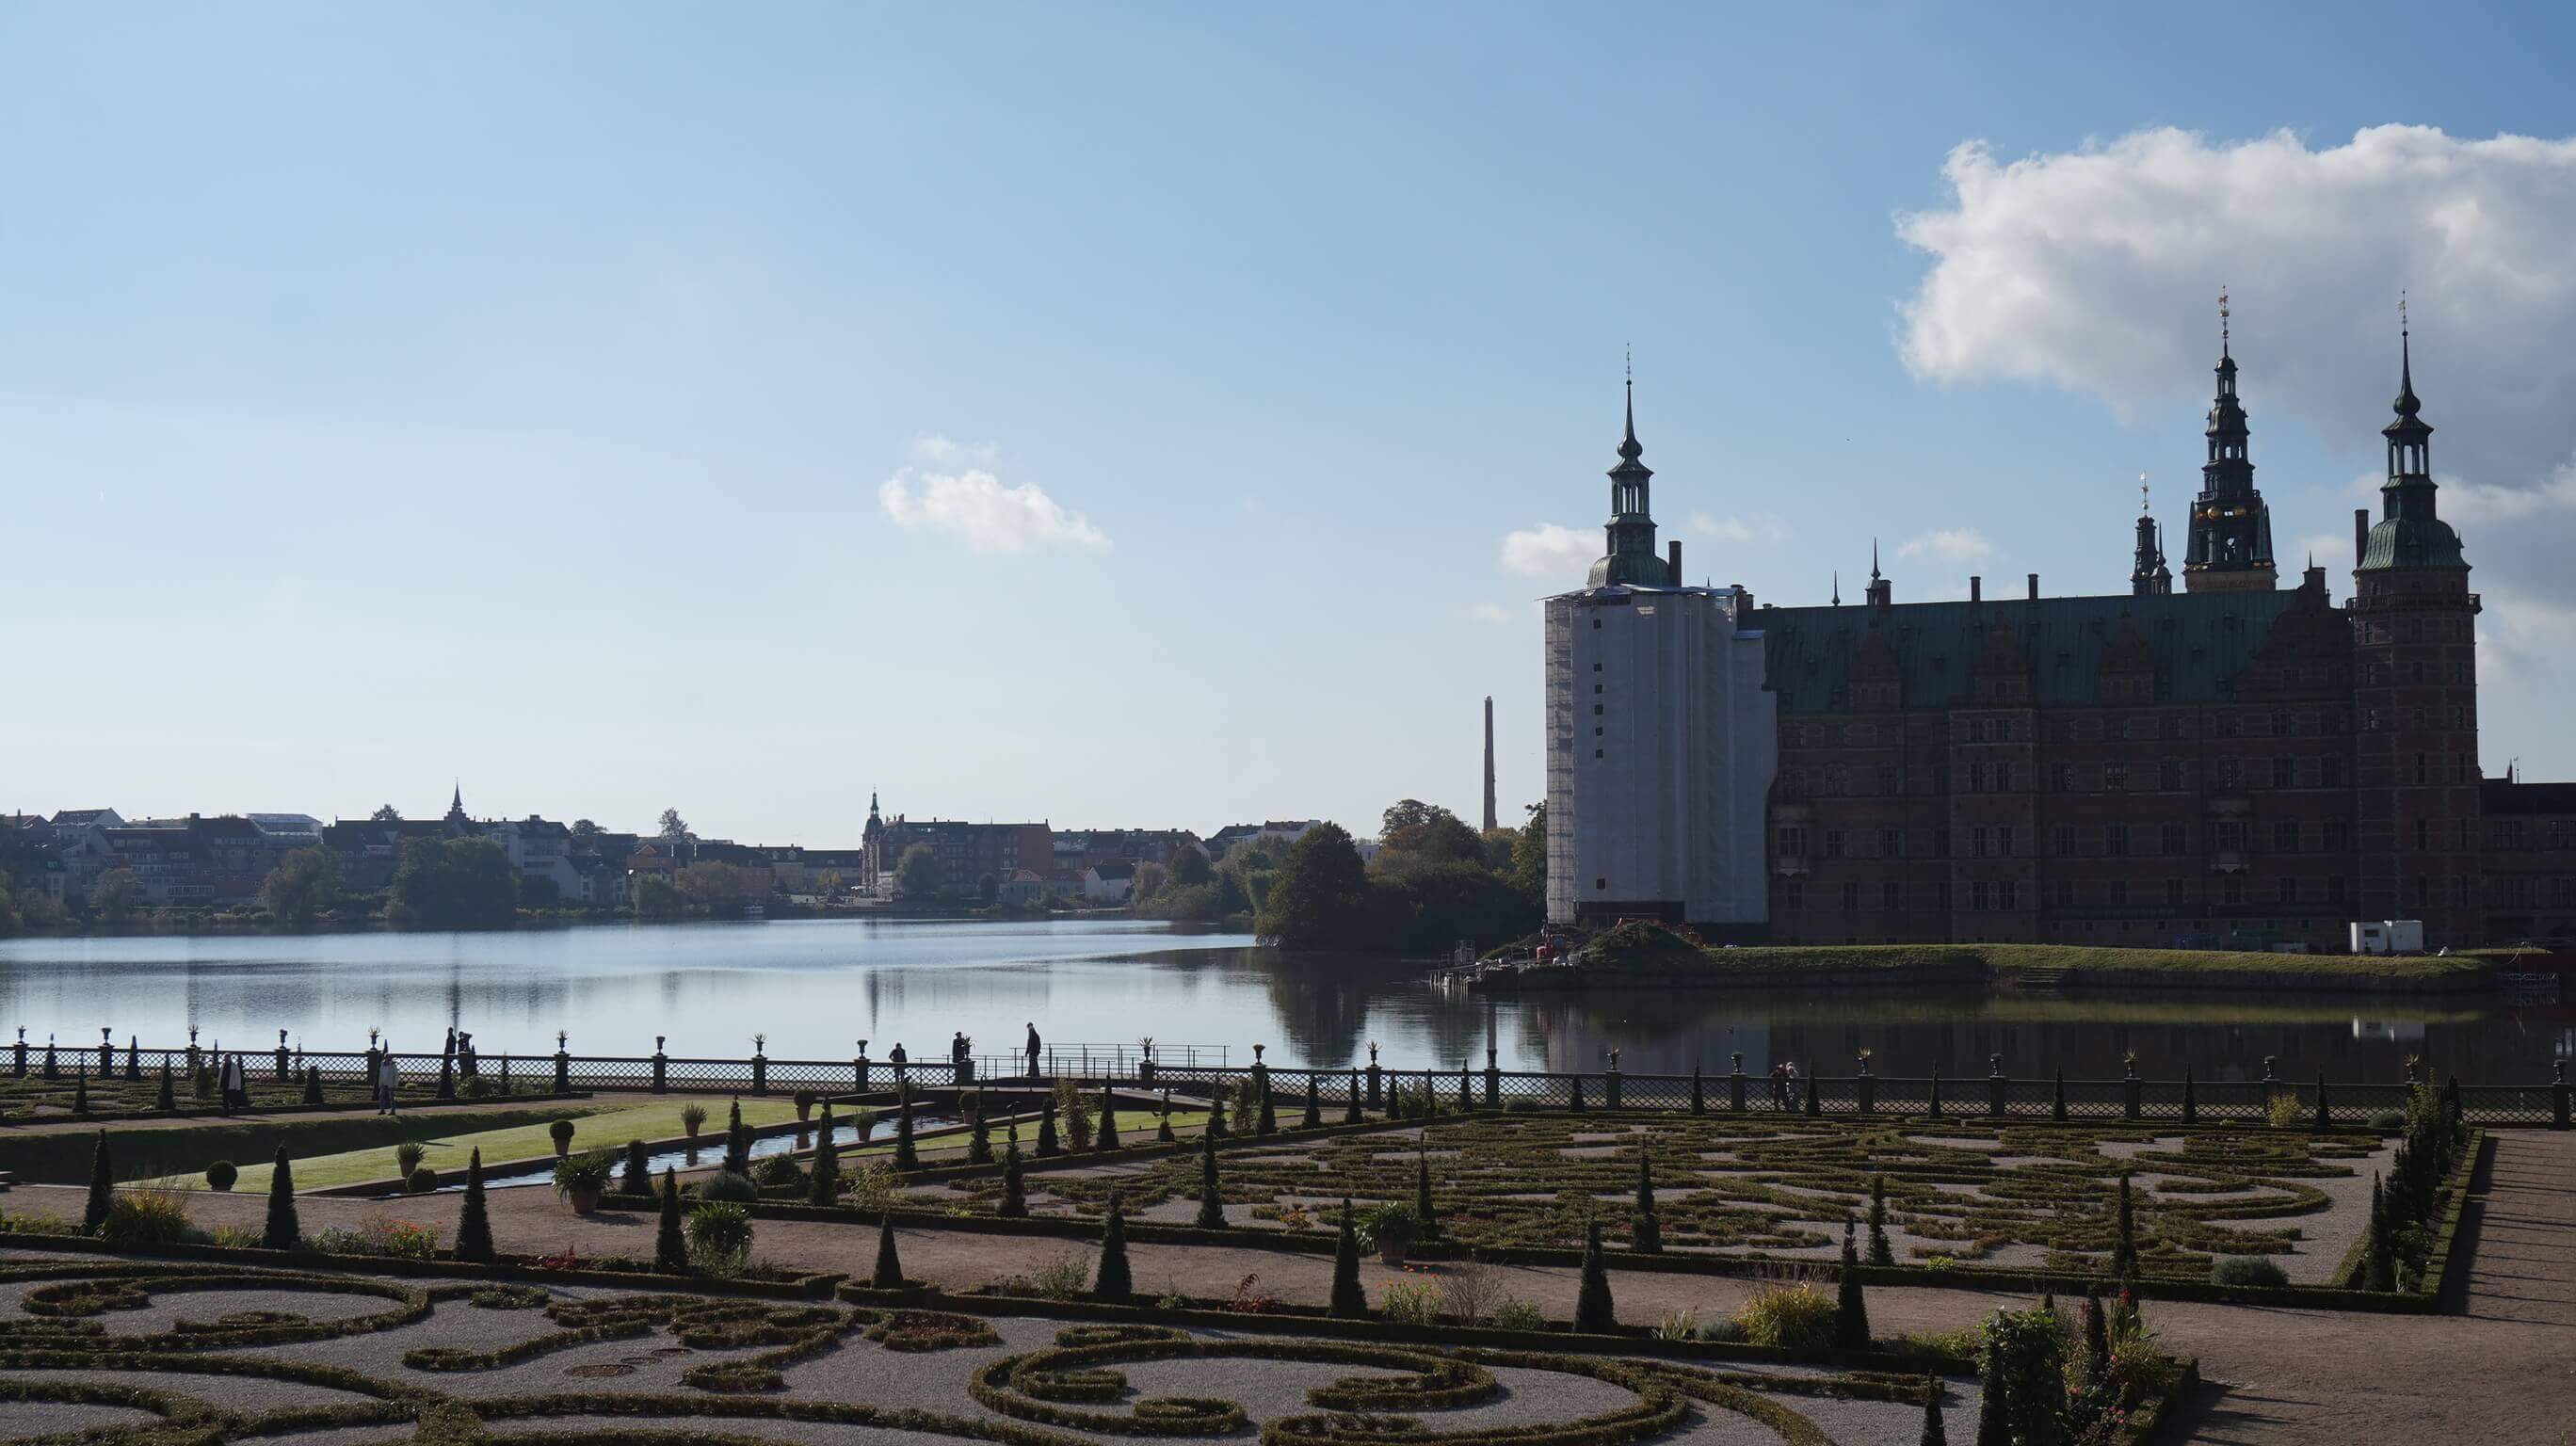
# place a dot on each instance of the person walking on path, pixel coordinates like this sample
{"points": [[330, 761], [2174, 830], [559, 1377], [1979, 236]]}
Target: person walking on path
{"points": [[1033, 1051], [388, 1079]]}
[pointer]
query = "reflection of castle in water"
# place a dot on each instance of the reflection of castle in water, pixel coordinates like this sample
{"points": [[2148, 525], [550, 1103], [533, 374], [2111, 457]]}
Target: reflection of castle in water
{"points": [[1664, 1033]]}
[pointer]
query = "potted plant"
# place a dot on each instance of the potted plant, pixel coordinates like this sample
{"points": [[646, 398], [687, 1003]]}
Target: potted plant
{"points": [[581, 1179], [561, 1130], [804, 1106], [1391, 1228], [692, 1115]]}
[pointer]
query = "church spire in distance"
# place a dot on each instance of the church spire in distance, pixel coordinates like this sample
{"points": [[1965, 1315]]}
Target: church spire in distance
{"points": [[2410, 532], [2148, 575]]}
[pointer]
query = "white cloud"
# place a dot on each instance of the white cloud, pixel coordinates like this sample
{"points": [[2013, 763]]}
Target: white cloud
{"points": [[977, 508], [1549, 551], [934, 448], [1760, 527], [1950, 544], [1489, 612], [2099, 270]]}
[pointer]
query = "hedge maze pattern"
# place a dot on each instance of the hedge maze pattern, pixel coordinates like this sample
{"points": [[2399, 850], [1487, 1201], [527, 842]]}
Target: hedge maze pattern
{"points": [[101, 1353], [2015, 1193]]}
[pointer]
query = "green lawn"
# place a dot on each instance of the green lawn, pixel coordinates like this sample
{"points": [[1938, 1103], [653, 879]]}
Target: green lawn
{"points": [[610, 1126], [2007, 959]]}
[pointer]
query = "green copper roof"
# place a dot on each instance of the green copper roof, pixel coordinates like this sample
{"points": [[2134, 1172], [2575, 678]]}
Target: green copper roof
{"points": [[2411, 542], [2199, 642]]}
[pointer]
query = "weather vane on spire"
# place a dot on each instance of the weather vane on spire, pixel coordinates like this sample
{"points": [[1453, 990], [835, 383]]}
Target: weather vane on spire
{"points": [[1628, 358], [2401, 311], [2143, 507], [2222, 316]]}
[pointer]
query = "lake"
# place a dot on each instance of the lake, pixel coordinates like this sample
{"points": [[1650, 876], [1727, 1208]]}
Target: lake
{"points": [[816, 987]]}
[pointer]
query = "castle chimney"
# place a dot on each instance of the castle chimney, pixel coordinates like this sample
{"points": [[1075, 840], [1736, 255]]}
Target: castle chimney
{"points": [[1674, 553], [2034, 587], [2360, 534], [1976, 589]]}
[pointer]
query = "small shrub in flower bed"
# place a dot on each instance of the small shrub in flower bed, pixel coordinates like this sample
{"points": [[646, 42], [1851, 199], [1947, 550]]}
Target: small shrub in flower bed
{"points": [[2247, 1270], [377, 1234], [142, 1219], [1793, 1316]]}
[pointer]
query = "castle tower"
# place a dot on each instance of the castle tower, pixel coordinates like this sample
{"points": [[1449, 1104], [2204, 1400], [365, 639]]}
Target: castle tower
{"points": [[2231, 527], [1631, 530], [2148, 575], [2416, 733]]}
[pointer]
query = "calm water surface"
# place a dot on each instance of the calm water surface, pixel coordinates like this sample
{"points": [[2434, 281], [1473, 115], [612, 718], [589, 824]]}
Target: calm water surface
{"points": [[817, 987]]}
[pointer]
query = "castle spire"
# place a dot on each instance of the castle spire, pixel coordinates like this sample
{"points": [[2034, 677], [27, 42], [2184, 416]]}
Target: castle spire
{"points": [[1631, 559], [2148, 575], [2410, 532], [2230, 547]]}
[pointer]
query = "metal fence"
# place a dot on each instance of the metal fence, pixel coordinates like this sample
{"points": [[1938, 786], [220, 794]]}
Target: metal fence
{"points": [[1998, 1094]]}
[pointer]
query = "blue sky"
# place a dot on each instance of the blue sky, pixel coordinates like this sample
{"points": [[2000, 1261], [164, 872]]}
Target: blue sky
{"points": [[1117, 415]]}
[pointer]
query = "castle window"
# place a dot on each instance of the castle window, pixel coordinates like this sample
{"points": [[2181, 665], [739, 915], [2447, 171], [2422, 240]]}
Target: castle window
{"points": [[1793, 896], [1888, 782], [1979, 839], [2423, 835], [2289, 889], [2115, 840], [2285, 836], [2169, 774], [2174, 892], [1979, 896], [1891, 896], [2064, 777], [2119, 891], [2004, 843], [1836, 842], [2285, 772], [2231, 889], [1891, 843], [2061, 841], [1941, 848], [2006, 894], [2283, 725], [1851, 898], [2115, 777], [2231, 725], [2231, 772], [2066, 893], [1600, 883], [1793, 842], [2423, 774]]}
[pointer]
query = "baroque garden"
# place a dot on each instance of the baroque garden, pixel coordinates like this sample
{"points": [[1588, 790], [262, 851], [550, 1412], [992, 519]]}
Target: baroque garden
{"points": [[1208, 1254]]}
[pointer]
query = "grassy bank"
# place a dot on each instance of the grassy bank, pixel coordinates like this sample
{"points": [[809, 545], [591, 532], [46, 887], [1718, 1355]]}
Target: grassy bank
{"points": [[1645, 950], [63, 1157], [596, 1125]]}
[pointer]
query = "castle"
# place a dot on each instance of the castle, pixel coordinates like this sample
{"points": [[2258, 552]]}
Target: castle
{"points": [[2232, 759]]}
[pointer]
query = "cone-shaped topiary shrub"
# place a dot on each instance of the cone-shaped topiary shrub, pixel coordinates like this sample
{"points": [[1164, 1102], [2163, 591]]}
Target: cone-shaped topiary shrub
{"points": [[1015, 1197], [2379, 1264], [1851, 1313], [1646, 1233], [1163, 1122], [102, 1188], [2097, 1339], [80, 1090], [1268, 1122], [1815, 1106], [1593, 1310], [638, 1179], [284, 1231], [979, 1143], [737, 1155], [1422, 1194], [2325, 1115], [474, 1221], [823, 1187], [1104, 1137], [2057, 1098], [1048, 1149], [168, 1098], [1934, 1434], [1112, 1282], [1314, 1117], [1699, 1097], [1880, 1252], [1351, 1106], [1574, 1098], [670, 1241], [2190, 1101], [1350, 1302], [313, 1084], [2124, 1240], [888, 1274], [1211, 1194], [906, 1157], [1994, 1421]]}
